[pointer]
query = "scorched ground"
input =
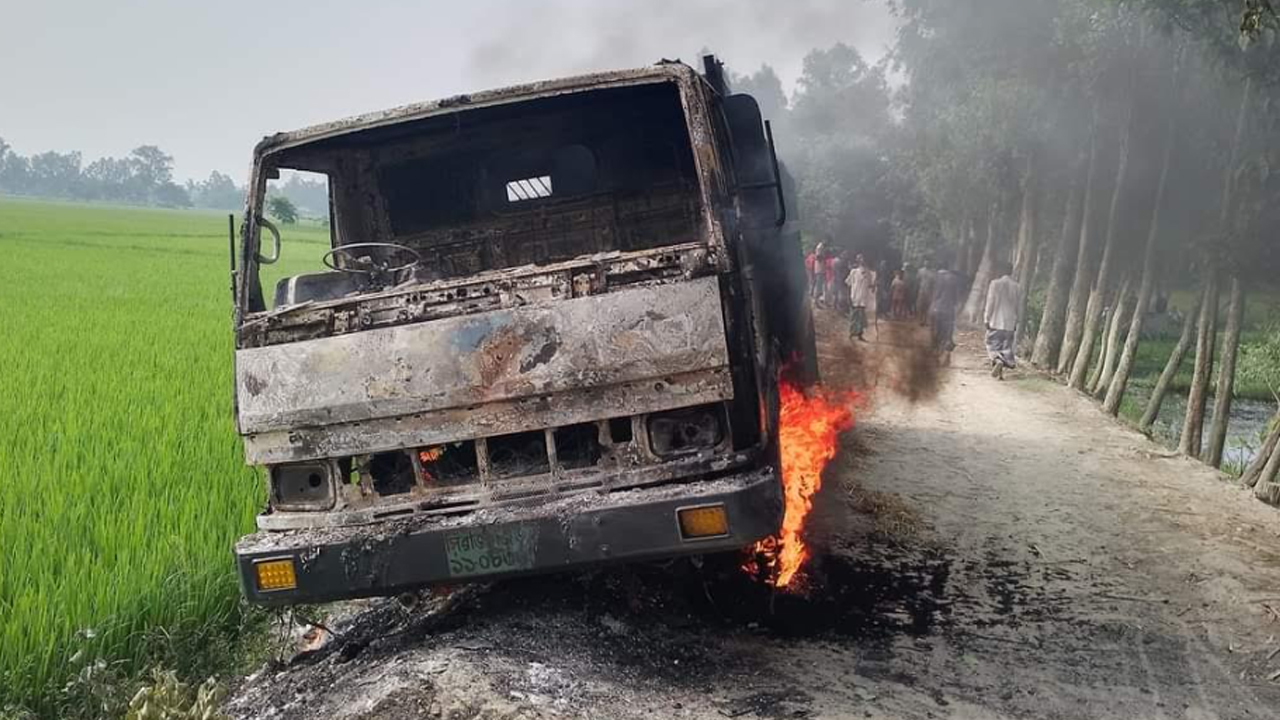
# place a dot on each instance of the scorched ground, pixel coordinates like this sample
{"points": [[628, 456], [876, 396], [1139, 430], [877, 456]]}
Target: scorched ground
{"points": [[970, 561]]}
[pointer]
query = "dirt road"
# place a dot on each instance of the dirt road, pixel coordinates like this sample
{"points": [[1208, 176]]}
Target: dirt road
{"points": [[987, 550]]}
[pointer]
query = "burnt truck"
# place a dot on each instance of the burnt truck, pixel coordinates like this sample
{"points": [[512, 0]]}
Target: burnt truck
{"points": [[549, 334]]}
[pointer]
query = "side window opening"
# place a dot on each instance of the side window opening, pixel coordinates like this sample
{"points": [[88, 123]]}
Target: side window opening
{"points": [[306, 232]]}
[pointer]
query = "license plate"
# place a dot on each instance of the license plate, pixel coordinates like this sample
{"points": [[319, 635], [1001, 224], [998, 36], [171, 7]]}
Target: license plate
{"points": [[486, 551]]}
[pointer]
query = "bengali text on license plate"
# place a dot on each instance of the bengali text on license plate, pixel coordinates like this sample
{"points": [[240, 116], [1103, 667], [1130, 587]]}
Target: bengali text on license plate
{"points": [[483, 551]]}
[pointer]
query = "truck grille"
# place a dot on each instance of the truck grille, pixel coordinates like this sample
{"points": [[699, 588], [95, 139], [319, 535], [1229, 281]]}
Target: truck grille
{"points": [[459, 477], [530, 463], [533, 455]]}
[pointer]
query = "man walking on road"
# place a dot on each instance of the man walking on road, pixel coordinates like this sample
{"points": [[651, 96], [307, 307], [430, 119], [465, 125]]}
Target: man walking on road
{"points": [[862, 296], [1002, 320], [942, 311]]}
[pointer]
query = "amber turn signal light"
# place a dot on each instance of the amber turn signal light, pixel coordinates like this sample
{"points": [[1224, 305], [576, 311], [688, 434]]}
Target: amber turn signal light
{"points": [[276, 575], [703, 522]]}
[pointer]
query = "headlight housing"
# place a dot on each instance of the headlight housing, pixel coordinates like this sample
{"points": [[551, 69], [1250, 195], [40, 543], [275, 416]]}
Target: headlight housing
{"points": [[687, 430], [303, 486]]}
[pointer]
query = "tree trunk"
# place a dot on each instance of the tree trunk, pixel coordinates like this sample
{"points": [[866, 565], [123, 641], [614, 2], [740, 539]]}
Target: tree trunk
{"points": [[1170, 371], [1111, 351], [1049, 338], [1107, 324], [1074, 327], [1226, 377], [1266, 488], [960, 263], [1115, 383], [974, 306], [1193, 426], [1120, 381], [1206, 334], [975, 251], [1254, 471], [1106, 269], [1028, 247]]}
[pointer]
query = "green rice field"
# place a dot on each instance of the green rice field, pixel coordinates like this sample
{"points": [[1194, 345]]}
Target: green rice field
{"points": [[123, 482]]}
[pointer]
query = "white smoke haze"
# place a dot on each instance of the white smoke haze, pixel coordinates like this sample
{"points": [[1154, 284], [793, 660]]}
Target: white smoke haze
{"points": [[206, 81], [538, 40]]}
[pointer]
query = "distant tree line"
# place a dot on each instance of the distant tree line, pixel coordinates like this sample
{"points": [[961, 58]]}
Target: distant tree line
{"points": [[143, 177]]}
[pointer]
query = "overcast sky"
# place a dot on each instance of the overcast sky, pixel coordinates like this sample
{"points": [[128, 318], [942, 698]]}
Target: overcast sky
{"points": [[205, 80]]}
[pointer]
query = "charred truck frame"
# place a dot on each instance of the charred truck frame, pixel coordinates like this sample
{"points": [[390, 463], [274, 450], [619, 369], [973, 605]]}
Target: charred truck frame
{"points": [[550, 336]]}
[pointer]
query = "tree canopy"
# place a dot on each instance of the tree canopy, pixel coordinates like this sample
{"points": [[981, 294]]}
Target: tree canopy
{"points": [[282, 209]]}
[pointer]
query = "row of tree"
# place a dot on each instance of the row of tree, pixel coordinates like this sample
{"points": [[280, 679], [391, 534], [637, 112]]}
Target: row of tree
{"points": [[1104, 149], [1144, 134], [143, 177]]}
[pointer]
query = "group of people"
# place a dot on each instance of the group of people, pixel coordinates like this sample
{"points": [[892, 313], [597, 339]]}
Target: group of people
{"points": [[931, 296]]}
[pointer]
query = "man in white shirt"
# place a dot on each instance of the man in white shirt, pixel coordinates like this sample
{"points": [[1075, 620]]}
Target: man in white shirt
{"points": [[862, 296], [1002, 321]]}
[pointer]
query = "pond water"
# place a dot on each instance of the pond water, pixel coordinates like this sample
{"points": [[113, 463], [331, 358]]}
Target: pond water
{"points": [[1249, 420]]}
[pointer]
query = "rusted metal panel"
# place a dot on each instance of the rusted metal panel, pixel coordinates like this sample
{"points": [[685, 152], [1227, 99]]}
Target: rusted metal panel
{"points": [[528, 353], [433, 428]]}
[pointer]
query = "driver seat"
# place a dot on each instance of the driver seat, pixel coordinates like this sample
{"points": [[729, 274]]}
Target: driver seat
{"points": [[314, 286]]}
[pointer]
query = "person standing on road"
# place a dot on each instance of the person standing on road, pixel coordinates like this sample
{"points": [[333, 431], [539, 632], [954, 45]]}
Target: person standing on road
{"points": [[829, 279], [1002, 320], [924, 292], [882, 289], [909, 276], [898, 296], [862, 297], [942, 311], [810, 270], [840, 269], [819, 277]]}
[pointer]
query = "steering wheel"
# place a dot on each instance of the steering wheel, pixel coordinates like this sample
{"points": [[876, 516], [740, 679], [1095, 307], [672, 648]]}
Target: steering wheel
{"points": [[358, 263]]}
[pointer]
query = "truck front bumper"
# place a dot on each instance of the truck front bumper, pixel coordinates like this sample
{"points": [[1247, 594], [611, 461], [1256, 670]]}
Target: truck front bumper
{"points": [[309, 566]]}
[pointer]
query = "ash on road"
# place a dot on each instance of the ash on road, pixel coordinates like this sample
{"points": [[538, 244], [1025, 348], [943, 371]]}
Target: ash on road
{"points": [[985, 550]]}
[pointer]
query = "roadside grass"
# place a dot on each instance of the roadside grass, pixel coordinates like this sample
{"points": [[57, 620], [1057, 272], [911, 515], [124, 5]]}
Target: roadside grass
{"points": [[1153, 354], [124, 484], [1034, 383]]}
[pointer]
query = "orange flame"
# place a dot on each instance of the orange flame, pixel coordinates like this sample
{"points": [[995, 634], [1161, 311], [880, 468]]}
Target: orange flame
{"points": [[808, 429]]}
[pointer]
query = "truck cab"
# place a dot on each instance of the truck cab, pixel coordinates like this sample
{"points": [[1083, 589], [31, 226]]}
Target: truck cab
{"points": [[549, 335]]}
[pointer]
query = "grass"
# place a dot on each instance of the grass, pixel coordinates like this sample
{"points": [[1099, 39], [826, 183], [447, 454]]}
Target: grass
{"points": [[124, 483], [1153, 353]]}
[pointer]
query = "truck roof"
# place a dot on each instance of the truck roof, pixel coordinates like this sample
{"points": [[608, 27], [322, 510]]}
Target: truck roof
{"points": [[663, 71]]}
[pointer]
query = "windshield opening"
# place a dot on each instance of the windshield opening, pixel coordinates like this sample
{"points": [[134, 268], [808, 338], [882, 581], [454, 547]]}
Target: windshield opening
{"points": [[492, 188]]}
